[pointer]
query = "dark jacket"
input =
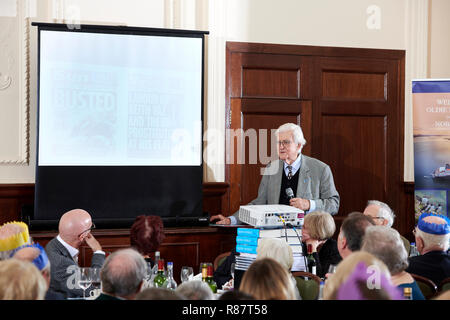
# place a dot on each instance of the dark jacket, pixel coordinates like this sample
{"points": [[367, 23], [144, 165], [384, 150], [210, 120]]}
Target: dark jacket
{"points": [[434, 265], [328, 254]]}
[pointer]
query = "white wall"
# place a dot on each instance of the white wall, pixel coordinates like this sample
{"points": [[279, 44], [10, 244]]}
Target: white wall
{"points": [[346, 23]]}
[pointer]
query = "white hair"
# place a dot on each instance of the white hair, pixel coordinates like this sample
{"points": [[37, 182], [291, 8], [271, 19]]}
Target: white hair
{"points": [[195, 290], [384, 211], [297, 133], [434, 240], [385, 244], [277, 249]]}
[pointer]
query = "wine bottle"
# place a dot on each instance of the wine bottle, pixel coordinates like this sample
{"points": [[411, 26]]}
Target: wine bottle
{"points": [[210, 280], [312, 265], [160, 278], [204, 271], [170, 282], [407, 293]]}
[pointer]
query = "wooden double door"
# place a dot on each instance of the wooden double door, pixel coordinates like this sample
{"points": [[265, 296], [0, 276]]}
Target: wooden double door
{"points": [[349, 103]]}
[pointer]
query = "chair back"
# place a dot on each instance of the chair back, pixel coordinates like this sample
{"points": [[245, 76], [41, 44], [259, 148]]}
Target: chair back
{"points": [[444, 285], [428, 288], [220, 259], [308, 285]]}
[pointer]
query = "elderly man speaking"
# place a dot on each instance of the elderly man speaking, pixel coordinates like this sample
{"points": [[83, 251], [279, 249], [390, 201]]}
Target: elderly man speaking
{"points": [[74, 229], [310, 179]]}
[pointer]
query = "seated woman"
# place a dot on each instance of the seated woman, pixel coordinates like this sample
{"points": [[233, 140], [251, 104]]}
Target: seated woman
{"points": [[318, 228], [266, 279], [360, 276], [146, 234], [385, 244], [279, 250]]}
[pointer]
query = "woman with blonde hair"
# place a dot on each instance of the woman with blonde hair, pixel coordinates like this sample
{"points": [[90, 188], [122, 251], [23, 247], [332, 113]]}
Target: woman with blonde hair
{"points": [[21, 280], [361, 276], [266, 279], [318, 228]]}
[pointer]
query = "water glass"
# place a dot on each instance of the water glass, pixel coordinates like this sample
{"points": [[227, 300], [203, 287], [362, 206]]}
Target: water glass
{"points": [[186, 273]]}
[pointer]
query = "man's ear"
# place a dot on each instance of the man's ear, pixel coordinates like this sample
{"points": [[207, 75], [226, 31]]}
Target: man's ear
{"points": [[420, 245]]}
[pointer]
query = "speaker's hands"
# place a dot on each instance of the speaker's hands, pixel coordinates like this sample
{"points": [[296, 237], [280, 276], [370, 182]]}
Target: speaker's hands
{"points": [[220, 219]]}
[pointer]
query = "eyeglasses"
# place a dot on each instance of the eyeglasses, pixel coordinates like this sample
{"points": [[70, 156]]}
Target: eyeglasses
{"points": [[380, 218], [284, 143], [90, 229]]}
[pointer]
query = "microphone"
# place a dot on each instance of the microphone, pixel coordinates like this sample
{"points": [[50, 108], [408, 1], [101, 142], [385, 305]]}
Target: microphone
{"points": [[289, 193]]}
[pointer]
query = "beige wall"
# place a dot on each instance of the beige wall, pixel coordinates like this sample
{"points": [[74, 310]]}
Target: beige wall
{"points": [[439, 40], [348, 23]]}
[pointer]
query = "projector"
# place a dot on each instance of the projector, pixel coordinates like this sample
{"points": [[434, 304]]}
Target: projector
{"points": [[262, 216]]}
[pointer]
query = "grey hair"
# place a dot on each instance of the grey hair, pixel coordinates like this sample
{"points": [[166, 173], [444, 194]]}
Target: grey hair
{"points": [[385, 244], [297, 133], [277, 249], [123, 272], [385, 211], [434, 240], [195, 290]]}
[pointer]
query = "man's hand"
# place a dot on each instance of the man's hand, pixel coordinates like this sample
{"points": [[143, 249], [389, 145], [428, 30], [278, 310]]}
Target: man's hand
{"points": [[302, 204], [221, 218], [92, 242]]}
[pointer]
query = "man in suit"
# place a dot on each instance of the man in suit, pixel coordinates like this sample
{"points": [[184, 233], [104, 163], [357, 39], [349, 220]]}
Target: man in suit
{"points": [[432, 239], [74, 229], [352, 233], [122, 275], [383, 215], [310, 179]]}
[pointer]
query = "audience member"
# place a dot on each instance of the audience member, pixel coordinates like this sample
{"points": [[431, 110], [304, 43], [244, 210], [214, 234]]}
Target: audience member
{"points": [[13, 235], [266, 279], [432, 240], [352, 232], [74, 229], [21, 280], [35, 254], [360, 276], [195, 290], [146, 234], [279, 250], [158, 294], [318, 228], [383, 215], [223, 272], [122, 275], [385, 244], [235, 295]]}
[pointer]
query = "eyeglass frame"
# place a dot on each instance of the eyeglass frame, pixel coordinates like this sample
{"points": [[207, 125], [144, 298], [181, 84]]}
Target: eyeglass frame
{"points": [[284, 143], [90, 229]]}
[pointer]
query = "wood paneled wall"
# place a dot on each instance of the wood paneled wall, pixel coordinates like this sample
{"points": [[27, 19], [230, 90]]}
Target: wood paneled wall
{"points": [[349, 103], [183, 246]]}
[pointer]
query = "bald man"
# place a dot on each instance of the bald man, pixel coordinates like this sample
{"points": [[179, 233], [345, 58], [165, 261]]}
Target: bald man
{"points": [[74, 230], [432, 239]]}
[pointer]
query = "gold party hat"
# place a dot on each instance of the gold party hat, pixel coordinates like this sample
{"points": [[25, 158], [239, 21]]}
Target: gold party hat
{"points": [[17, 240]]}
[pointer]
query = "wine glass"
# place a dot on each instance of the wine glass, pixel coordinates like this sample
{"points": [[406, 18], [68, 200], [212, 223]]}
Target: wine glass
{"points": [[186, 273], [96, 282], [84, 279], [332, 268]]}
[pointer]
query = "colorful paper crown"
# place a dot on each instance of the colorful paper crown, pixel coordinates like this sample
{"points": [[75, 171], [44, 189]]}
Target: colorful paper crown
{"points": [[350, 289], [16, 240], [41, 261], [433, 228]]}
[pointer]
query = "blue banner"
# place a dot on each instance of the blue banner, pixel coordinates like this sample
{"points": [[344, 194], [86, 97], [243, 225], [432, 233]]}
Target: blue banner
{"points": [[431, 129]]}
